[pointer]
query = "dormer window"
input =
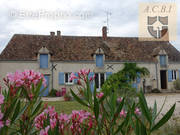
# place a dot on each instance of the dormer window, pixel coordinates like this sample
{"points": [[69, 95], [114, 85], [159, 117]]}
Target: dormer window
{"points": [[163, 60], [43, 60], [99, 60]]}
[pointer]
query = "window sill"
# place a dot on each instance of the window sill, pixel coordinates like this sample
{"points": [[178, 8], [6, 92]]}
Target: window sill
{"points": [[69, 84], [44, 68]]}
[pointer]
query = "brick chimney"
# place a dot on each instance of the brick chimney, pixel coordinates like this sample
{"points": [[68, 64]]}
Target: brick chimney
{"points": [[52, 34], [104, 32], [58, 33]]}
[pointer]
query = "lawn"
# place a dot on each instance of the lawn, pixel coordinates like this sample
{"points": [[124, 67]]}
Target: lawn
{"points": [[66, 106]]}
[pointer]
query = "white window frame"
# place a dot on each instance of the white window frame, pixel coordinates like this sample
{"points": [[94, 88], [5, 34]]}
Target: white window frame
{"points": [[174, 75], [99, 80], [68, 83]]}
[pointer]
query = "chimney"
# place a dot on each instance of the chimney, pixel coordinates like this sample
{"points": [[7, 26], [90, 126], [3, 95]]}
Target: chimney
{"points": [[58, 33], [104, 32], [52, 34]]}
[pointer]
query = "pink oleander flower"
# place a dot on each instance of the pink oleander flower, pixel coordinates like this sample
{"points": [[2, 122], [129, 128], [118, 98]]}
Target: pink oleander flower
{"points": [[1, 124], [72, 77], [1, 99], [78, 118], [44, 131], [53, 123], [119, 99], [31, 96], [137, 111], [1, 115], [25, 78], [8, 122], [100, 95], [123, 113], [84, 72]]}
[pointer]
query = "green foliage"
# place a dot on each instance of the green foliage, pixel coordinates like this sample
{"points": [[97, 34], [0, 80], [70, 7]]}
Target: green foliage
{"points": [[177, 84], [107, 110], [21, 109], [122, 81], [131, 71], [52, 93], [156, 91]]}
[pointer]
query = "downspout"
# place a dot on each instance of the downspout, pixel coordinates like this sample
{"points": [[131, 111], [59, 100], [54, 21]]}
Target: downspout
{"points": [[157, 80], [52, 76]]}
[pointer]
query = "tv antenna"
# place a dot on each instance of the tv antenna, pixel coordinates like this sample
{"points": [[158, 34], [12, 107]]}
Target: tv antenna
{"points": [[108, 14]]}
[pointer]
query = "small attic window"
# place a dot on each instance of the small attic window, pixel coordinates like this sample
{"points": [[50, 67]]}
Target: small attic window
{"points": [[43, 60], [99, 60]]}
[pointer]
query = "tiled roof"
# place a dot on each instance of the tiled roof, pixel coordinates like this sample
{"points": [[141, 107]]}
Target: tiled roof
{"points": [[82, 48]]}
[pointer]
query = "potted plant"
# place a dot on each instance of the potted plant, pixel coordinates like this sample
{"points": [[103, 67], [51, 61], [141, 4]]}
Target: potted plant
{"points": [[67, 97]]}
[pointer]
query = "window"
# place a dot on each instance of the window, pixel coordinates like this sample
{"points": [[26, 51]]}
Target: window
{"points": [[43, 60], [99, 60], [99, 80], [67, 77], [173, 74], [163, 60]]}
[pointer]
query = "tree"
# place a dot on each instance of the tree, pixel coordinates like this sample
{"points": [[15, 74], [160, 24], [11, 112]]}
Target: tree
{"points": [[121, 82], [132, 71]]}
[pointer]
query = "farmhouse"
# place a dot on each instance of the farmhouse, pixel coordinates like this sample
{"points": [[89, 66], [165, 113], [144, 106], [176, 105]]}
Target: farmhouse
{"points": [[56, 56]]}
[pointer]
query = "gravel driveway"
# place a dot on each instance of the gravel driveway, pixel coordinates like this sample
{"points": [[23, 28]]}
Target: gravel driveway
{"points": [[159, 98]]}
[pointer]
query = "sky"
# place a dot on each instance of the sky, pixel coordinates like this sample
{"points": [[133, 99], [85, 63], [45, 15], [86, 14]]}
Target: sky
{"points": [[75, 17]]}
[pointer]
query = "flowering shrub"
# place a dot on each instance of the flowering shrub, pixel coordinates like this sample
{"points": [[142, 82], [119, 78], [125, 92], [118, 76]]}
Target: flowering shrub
{"points": [[21, 110], [114, 116], [61, 93], [25, 78], [3, 122], [22, 101], [49, 122]]}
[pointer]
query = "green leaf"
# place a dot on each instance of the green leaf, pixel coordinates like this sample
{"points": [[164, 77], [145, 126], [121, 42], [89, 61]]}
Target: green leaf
{"points": [[21, 112], [36, 107], [142, 129], [154, 112], [123, 124], [144, 107], [78, 99], [120, 106], [96, 106], [16, 111], [161, 108], [137, 128], [165, 118]]}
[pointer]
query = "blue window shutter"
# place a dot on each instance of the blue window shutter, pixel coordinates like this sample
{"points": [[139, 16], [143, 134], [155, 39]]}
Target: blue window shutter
{"points": [[99, 60], [138, 79], [61, 77], [108, 74], [134, 85], [91, 74], [43, 60], [46, 91], [169, 75], [75, 80]]}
